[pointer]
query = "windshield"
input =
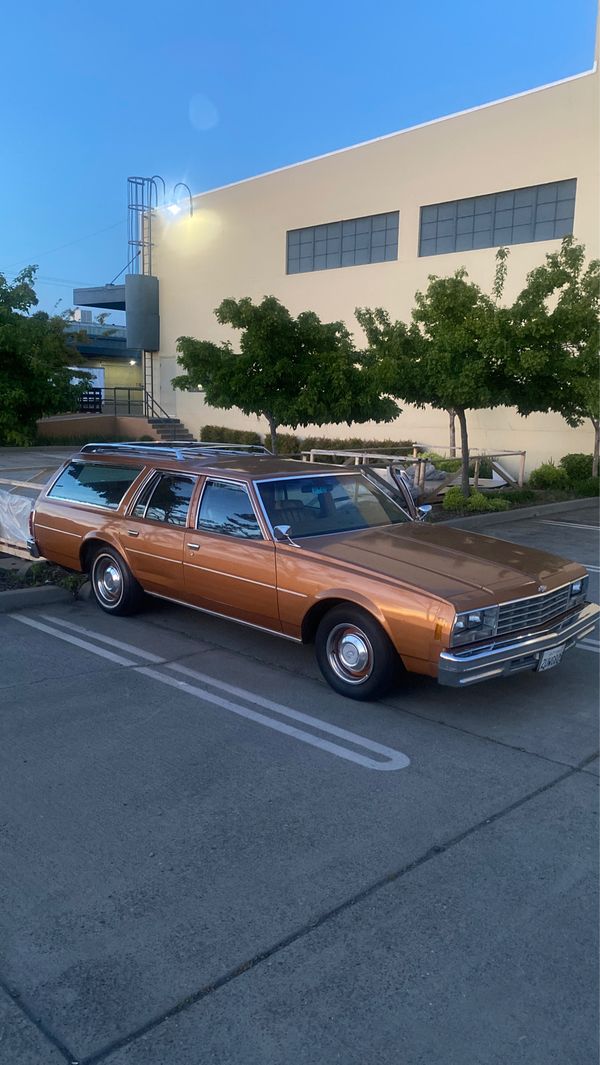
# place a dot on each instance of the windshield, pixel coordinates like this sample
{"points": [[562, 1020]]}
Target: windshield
{"points": [[313, 506]]}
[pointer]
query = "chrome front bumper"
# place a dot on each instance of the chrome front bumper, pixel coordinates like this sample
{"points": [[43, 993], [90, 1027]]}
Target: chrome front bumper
{"points": [[460, 668]]}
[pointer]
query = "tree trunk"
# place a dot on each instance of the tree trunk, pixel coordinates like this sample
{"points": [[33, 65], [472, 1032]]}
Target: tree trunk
{"points": [[452, 426], [596, 424], [464, 441], [273, 431]]}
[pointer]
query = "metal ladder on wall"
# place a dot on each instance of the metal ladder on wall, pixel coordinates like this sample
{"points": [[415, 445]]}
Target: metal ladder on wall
{"points": [[148, 373]]}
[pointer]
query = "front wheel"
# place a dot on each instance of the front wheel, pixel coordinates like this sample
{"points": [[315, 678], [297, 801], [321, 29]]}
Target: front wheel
{"points": [[354, 654], [114, 586]]}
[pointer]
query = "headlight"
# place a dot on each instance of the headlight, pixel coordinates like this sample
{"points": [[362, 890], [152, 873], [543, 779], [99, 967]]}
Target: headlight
{"points": [[579, 587], [472, 625]]}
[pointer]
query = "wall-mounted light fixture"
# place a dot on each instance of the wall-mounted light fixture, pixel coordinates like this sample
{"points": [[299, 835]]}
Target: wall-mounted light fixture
{"points": [[175, 208]]}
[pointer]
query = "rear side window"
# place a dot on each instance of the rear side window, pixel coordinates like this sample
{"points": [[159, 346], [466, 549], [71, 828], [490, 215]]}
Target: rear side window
{"points": [[226, 509], [166, 498], [91, 482]]}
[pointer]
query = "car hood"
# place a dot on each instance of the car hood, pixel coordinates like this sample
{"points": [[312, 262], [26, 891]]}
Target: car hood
{"points": [[450, 563]]}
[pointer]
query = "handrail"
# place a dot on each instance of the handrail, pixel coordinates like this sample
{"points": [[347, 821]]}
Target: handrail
{"points": [[136, 397]]}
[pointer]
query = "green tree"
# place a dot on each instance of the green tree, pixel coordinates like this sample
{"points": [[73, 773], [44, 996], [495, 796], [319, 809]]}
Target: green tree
{"points": [[445, 358], [291, 371], [35, 378], [550, 339]]}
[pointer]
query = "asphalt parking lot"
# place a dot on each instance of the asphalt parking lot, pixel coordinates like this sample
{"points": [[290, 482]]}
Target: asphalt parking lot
{"points": [[207, 856]]}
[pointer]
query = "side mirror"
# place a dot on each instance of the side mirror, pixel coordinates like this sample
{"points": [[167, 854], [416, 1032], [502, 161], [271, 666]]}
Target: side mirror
{"points": [[282, 532], [423, 511]]}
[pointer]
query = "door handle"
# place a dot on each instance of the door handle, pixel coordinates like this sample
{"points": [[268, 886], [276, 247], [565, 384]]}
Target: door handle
{"points": [[194, 547], [133, 532]]}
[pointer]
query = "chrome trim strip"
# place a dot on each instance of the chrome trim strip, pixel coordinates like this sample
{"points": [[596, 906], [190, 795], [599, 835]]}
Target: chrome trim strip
{"points": [[288, 591], [226, 617], [79, 503], [150, 554], [61, 532], [229, 576], [150, 475], [302, 476]]}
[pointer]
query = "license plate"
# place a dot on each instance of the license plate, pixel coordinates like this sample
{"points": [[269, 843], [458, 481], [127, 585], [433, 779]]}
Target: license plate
{"points": [[550, 659]]}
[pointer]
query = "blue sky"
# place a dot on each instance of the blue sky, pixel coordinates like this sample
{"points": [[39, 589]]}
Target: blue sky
{"points": [[211, 93]]}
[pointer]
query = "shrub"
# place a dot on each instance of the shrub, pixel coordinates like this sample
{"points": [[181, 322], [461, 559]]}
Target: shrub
{"points": [[518, 495], [290, 444], [354, 443], [578, 467], [454, 499], [477, 503], [287, 444], [485, 468], [589, 487], [441, 463], [549, 476], [219, 434]]}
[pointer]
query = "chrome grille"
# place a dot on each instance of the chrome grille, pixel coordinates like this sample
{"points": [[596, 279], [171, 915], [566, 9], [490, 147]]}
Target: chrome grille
{"points": [[528, 613]]}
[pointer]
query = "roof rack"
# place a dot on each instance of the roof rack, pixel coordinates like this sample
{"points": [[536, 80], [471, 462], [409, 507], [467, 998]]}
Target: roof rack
{"points": [[182, 450]]}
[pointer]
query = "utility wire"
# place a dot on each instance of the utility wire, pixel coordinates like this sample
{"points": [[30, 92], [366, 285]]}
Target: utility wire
{"points": [[53, 281], [69, 244]]}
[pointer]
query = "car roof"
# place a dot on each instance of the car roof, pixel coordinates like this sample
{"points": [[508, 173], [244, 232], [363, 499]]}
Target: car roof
{"points": [[189, 459]]}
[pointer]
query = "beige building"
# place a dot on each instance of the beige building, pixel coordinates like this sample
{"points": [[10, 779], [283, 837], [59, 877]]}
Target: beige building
{"points": [[366, 226]]}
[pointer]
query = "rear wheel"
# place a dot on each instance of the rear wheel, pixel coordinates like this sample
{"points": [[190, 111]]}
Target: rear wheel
{"points": [[354, 654], [114, 586]]}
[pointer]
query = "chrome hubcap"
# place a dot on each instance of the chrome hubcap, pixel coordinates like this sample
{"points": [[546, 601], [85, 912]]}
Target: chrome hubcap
{"points": [[108, 580], [350, 654]]}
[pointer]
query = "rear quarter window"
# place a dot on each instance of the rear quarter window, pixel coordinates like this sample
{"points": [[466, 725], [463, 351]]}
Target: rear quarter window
{"points": [[93, 483]]}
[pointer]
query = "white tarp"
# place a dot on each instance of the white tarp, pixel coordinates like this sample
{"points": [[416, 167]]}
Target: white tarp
{"points": [[14, 517]]}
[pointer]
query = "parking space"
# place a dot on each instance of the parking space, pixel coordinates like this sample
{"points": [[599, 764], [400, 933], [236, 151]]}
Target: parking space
{"points": [[209, 856]]}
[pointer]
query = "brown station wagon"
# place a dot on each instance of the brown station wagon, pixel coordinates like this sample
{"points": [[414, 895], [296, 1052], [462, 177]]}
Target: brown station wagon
{"points": [[325, 554]]}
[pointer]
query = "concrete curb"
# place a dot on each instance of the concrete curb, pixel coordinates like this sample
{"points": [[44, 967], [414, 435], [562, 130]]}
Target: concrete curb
{"points": [[23, 598], [473, 521]]}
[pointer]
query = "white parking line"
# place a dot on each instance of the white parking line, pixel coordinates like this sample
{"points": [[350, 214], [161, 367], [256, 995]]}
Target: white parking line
{"points": [[103, 639], [285, 711], [568, 524], [120, 661], [395, 759], [589, 645], [391, 758]]}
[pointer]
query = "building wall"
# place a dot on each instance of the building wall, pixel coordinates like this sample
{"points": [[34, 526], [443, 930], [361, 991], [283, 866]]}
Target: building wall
{"points": [[117, 374], [235, 243]]}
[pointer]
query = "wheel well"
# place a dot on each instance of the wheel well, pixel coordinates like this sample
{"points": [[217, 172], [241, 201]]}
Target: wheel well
{"points": [[312, 618], [88, 551]]}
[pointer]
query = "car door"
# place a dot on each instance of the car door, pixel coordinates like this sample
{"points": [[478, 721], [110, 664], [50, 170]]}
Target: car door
{"points": [[153, 532], [229, 565]]}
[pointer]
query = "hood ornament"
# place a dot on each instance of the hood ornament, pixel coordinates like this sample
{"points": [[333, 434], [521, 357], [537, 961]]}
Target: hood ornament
{"points": [[542, 587]]}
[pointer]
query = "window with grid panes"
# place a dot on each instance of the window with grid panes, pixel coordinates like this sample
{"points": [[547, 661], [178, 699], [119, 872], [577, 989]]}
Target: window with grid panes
{"points": [[353, 242], [539, 212]]}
